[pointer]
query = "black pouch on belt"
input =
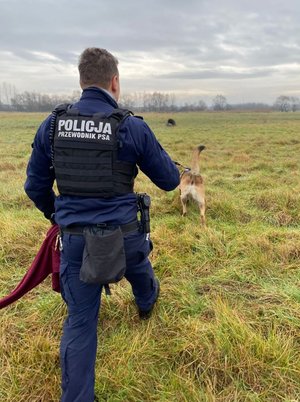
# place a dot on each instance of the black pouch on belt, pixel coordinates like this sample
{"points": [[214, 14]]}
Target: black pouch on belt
{"points": [[103, 259]]}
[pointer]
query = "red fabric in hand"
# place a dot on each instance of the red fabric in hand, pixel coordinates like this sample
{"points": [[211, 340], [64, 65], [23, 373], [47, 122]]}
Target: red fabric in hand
{"points": [[45, 263]]}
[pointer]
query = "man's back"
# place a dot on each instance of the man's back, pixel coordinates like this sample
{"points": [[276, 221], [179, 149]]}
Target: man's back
{"points": [[138, 146]]}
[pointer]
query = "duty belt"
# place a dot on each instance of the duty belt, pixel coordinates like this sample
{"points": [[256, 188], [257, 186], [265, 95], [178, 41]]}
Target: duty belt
{"points": [[78, 229]]}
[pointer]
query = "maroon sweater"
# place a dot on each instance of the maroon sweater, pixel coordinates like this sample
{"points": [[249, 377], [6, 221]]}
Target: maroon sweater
{"points": [[45, 263]]}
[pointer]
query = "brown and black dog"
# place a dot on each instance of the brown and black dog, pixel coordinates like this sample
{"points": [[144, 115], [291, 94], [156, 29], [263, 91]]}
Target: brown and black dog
{"points": [[192, 185]]}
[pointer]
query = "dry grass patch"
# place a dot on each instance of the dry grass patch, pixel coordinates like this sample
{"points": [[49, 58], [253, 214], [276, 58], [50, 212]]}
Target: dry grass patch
{"points": [[226, 327]]}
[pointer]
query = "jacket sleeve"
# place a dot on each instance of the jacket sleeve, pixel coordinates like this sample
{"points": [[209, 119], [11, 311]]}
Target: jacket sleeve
{"points": [[155, 162], [40, 175]]}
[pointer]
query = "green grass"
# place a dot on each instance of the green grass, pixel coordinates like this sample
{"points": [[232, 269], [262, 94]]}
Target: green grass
{"points": [[226, 327]]}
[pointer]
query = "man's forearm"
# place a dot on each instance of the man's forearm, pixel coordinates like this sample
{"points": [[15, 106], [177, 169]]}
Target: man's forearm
{"points": [[43, 199]]}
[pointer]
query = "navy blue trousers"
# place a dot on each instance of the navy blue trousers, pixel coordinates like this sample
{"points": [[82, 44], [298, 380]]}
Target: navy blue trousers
{"points": [[79, 340]]}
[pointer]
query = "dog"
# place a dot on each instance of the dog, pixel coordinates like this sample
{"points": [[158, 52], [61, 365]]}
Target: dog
{"points": [[171, 123], [192, 185]]}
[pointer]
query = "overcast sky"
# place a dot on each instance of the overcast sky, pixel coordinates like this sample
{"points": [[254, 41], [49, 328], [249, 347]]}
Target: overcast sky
{"points": [[247, 50]]}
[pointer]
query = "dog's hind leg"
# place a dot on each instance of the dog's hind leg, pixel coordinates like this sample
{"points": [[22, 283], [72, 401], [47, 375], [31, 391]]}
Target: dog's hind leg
{"points": [[202, 213], [183, 203]]}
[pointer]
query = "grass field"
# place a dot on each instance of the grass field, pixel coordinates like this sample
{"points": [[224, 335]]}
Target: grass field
{"points": [[227, 324]]}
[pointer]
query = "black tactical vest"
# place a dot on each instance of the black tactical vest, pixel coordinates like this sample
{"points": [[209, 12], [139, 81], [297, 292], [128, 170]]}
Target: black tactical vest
{"points": [[84, 154]]}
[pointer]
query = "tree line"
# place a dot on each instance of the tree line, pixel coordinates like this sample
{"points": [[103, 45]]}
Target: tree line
{"points": [[12, 100]]}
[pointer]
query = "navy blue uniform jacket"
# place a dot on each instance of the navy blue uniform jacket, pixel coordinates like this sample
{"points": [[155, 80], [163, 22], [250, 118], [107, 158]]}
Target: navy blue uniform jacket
{"points": [[140, 146]]}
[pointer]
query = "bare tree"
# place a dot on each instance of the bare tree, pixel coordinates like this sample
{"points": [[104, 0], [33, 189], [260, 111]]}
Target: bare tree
{"points": [[7, 92], [201, 105], [219, 102], [173, 102], [282, 103], [295, 103], [127, 101], [286, 103]]}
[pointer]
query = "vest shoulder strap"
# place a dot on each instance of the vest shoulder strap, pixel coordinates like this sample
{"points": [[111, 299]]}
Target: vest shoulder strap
{"points": [[61, 108], [139, 117], [58, 110], [120, 114]]}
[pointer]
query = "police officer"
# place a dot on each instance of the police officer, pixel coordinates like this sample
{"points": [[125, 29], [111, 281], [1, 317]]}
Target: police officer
{"points": [[86, 199]]}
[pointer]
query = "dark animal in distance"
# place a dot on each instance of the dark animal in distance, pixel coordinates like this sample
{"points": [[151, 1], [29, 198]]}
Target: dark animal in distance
{"points": [[171, 123]]}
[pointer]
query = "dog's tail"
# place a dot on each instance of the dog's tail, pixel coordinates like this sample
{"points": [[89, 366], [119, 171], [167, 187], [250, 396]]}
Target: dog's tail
{"points": [[195, 159]]}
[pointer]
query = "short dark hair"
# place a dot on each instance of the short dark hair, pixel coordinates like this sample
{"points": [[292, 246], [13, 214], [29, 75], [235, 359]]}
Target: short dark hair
{"points": [[97, 66]]}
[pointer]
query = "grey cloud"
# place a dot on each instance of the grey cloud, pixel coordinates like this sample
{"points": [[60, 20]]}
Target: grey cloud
{"points": [[196, 37], [216, 74]]}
